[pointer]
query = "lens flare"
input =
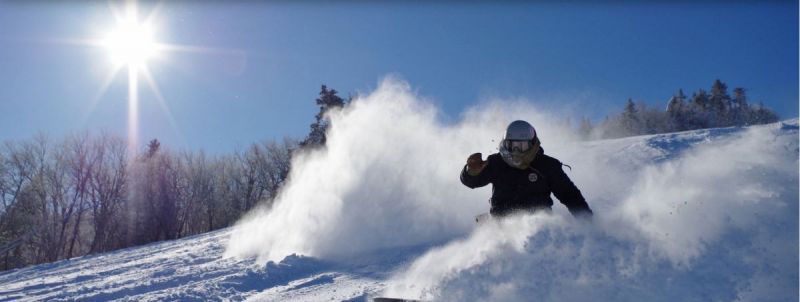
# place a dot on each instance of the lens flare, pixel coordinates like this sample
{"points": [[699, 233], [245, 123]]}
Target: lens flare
{"points": [[133, 109], [131, 43]]}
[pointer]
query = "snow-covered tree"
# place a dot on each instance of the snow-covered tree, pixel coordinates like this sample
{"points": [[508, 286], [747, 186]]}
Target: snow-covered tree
{"points": [[740, 109], [630, 120], [698, 116], [762, 115], [703, 110], [676, 111], [719, 103]]}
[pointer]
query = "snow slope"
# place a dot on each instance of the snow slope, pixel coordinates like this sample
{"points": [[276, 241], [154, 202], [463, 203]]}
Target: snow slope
{"points": [[189, 269], [709, 215]]}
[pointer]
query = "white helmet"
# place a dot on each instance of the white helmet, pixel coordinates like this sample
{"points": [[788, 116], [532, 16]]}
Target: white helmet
{"points": [[520, 144]]}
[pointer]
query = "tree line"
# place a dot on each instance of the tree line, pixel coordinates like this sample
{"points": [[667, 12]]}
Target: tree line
{"points": [[86, 194], [703, 110]]}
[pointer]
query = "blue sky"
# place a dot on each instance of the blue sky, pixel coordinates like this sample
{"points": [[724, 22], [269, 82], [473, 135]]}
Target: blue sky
{"points": [[269, 60]]}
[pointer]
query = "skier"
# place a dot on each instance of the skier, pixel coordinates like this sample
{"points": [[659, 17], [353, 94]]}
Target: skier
{"points": [[523, 177]]}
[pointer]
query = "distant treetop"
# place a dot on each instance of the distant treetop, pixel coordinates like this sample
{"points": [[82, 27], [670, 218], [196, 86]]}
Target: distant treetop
{"points": [[702, 110]]}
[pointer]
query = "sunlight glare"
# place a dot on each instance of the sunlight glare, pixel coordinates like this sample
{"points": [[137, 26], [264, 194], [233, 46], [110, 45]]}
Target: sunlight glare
{"points": [[131, 43], [133, 108]]}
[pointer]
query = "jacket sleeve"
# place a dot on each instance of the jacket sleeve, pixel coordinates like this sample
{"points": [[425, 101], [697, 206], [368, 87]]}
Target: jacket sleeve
{"points": [[568, 194], [484, 178]]}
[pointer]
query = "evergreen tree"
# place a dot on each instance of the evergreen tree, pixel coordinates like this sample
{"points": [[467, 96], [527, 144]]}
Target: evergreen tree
{"points": [[762, 115], [739, 107], [697, 115], [630, 119], [703, 110], [676, 111], [152, 147], [719, 103], [327, 100], [652, 120], [700, 100]]}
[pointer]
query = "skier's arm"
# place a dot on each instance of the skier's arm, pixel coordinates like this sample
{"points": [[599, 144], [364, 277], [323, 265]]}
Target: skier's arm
{"points": [[477, 173], [568, 194]]}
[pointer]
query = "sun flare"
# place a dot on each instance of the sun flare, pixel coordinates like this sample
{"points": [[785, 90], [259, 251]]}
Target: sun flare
{"points": [[131, 43]]}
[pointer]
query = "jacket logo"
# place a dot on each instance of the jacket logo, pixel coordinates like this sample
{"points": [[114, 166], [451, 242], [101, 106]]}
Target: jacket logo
{"points": [[533, 177]]}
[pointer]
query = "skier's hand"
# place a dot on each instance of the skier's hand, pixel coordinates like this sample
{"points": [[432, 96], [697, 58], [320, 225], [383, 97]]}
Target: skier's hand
{"points": [[476, 164]]}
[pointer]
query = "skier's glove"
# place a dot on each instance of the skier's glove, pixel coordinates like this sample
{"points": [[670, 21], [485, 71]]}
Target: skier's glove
{"points": [[476, 164]]}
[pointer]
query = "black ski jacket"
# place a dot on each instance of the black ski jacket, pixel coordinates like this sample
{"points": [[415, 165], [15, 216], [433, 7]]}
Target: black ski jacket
{"points": [[527, 190]]}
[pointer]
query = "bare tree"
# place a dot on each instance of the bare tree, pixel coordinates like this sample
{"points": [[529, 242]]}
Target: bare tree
{"points": [[108, 189], [81, 164], [87, 194], [280, 159], [199, 173], [16, 218]]}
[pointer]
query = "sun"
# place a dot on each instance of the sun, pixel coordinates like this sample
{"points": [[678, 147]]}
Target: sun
{"points": [[130, 43]]}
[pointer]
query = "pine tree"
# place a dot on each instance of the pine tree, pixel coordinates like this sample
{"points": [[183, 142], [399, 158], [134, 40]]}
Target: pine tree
{"points": [[703, 110], [739, 108], [327, 100], [700, 100], [697, 115], [719, 103], [152, 147], [630, 119], [762, 115], [676, 112]]}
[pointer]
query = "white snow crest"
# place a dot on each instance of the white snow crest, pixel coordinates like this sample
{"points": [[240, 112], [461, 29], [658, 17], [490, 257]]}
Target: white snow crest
{"points": [[388, 177], [717, 223], [737, 183]]}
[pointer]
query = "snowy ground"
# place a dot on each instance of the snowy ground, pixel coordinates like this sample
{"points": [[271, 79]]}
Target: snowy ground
{"points": [[189, 269], [733, 239]]}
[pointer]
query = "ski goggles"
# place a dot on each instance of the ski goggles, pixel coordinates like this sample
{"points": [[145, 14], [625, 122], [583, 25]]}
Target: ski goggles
{"points": [[517, 145]]}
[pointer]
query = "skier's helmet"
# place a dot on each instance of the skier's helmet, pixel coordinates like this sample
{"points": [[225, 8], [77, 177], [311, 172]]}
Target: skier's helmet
{"points": [[520, 144]]}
